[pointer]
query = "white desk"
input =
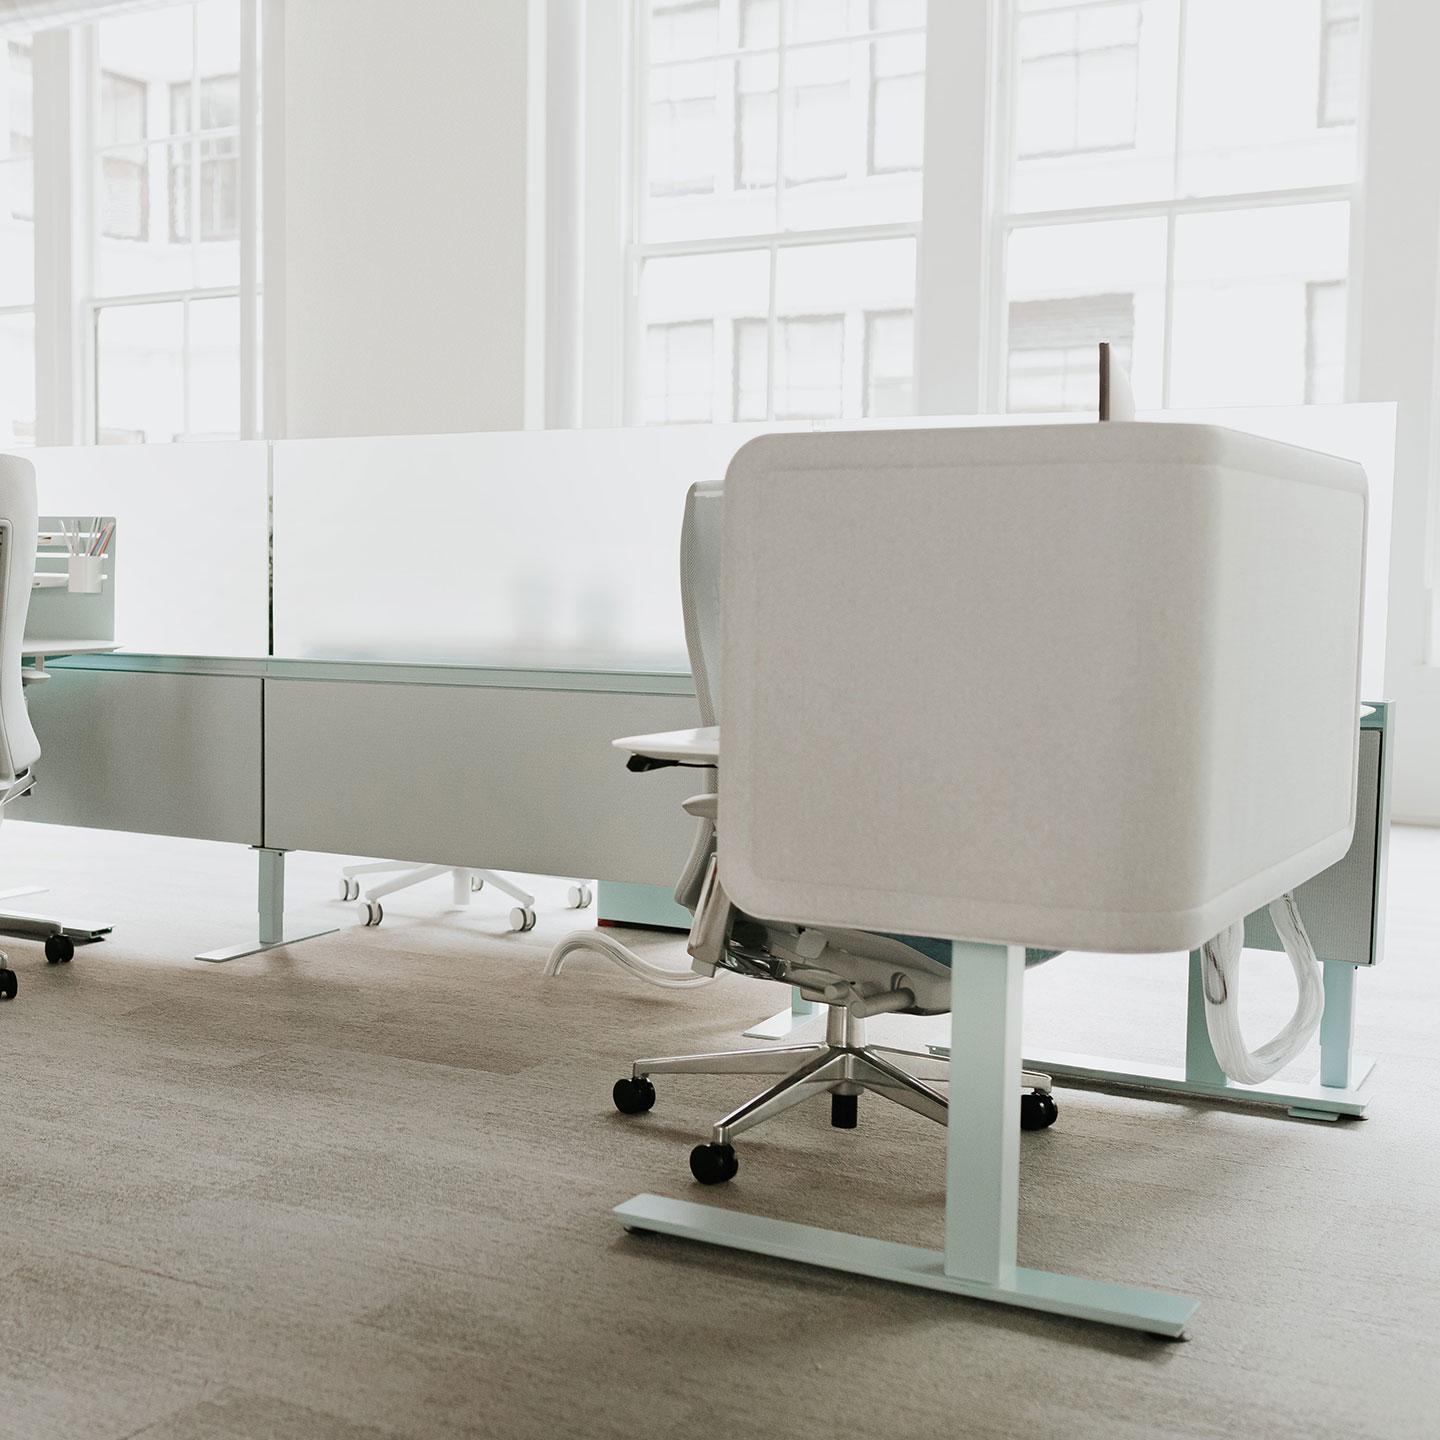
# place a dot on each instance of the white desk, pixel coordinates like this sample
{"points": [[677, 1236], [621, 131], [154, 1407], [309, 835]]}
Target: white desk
{"points": [[19, 922]]}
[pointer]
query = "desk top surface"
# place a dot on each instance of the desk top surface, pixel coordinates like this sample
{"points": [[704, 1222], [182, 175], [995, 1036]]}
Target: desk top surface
{"points": [[43, 645]]}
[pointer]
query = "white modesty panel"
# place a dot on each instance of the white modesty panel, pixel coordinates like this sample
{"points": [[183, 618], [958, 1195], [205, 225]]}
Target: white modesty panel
{"points": [[1082, 687]]}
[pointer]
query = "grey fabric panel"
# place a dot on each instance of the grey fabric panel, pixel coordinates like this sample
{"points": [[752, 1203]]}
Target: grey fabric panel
{"points": [[510, 779], [162, 754]]}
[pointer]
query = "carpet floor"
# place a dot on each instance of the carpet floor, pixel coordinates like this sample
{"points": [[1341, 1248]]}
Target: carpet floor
{"points": [[359, 1188]]}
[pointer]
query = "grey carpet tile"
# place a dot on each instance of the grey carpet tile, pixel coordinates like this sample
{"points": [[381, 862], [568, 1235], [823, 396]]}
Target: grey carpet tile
{"points": [[361, 1187]]}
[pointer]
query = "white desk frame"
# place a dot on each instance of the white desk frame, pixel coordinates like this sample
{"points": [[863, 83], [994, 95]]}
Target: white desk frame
{"points": [[982, 1183]]}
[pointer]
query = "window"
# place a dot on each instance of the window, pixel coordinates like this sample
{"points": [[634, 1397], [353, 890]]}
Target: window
{"points": [[165, 308], [1078, 78], [213, 145], [777, 206], [889, 357], [1339, 61], [1052, 360], [1325, 342], [1155, 158], [679, 362], [124, 172], [17, 249]]}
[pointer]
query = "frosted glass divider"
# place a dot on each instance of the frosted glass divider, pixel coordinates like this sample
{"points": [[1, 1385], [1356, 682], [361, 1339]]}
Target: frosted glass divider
{"points": [[546, 548], [192, 538]]}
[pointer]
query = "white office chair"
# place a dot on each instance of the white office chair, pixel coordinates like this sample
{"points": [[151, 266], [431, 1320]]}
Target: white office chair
{"points": [[464, 883], [19, 748], [854, 974]]}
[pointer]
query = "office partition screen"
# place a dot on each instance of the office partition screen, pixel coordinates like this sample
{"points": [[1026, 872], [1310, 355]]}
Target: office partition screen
{"points": [[192, 538], [551, 549]]}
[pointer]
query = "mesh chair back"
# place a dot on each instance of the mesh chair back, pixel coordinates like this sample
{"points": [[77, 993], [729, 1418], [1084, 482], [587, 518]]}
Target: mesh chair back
{"points": [[19, 527]]}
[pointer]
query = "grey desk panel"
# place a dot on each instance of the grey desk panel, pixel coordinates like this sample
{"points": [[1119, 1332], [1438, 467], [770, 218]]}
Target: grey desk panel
{"points": [[482, 776], [160, 754]]}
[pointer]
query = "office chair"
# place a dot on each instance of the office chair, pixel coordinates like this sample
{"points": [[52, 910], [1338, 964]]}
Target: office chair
{"points": [[853, 974], [465, 882], [19, 748]]}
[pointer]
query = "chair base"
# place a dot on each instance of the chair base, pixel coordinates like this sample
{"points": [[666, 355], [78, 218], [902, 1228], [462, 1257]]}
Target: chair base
{"points": [[843, 1065]]}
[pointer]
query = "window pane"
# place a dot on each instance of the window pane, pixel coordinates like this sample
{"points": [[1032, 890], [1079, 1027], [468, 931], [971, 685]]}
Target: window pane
{"points": [[1325, 342], [140, 55], [1253, 109], [17, 380], [897, 104], [757, 139], [702, 293], [17, 190], [816, 19], [817, 106], [1094, 108], [1054, 349], [682, 29], [810, 367], [683, 133], [139, 373], [752, 369], [823, 294], [214, 370], [1241, 316], [759, 23], [680, 372], [125, 194], [889, 363], [1071, 286]]}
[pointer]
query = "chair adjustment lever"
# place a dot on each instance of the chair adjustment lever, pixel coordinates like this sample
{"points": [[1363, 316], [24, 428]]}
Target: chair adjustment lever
{"points": [[647, 762]]}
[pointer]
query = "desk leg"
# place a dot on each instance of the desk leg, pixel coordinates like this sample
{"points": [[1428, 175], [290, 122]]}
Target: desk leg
{"points": [[271, 904], [982, 1187], [785, 1022]]}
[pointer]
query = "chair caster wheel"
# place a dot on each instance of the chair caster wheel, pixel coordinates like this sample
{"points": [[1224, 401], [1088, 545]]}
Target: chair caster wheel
{"points": [[476, 884], [349, 889], [1038, 1110], [522, 918], [713, 1164], [59, 949], [633, 1097], [579, 897], [9, 984], [371, 913]]}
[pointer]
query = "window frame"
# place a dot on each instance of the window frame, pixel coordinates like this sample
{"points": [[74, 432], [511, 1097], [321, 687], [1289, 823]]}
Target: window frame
{"points": [[636, 253], [1004, 221]]}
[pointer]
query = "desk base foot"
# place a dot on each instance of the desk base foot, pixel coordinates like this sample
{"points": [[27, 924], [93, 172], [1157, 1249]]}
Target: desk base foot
{"points": [[258, 947], [1305, 1101], [1151, 1311]]}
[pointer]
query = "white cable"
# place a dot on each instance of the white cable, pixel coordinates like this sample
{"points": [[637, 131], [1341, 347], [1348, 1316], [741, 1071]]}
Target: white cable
{"points": [[1220, 976], [599, 944]]}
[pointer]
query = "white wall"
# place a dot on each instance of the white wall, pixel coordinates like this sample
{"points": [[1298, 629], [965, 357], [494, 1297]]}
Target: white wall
{"points": [[400, 249]]}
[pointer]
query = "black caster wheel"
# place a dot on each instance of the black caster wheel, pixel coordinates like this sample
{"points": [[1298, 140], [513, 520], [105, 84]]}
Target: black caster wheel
{"points": [[1038, 1110], [713, 1164], [349, 889], [9, 984], [844, 1111], [522, 918], [371, 912], [633, 1097], [59, 949]]}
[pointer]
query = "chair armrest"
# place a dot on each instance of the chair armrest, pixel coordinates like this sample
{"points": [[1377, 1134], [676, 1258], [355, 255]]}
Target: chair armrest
{"points": [[675, 747]]}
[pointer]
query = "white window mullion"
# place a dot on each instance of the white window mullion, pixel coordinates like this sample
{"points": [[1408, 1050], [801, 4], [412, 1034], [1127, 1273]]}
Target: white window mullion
{"points": [[56, 357], [956, 257]]}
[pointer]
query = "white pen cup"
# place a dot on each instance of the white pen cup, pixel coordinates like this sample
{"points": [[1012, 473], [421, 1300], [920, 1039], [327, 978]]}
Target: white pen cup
{"points": [[85, 574]]}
